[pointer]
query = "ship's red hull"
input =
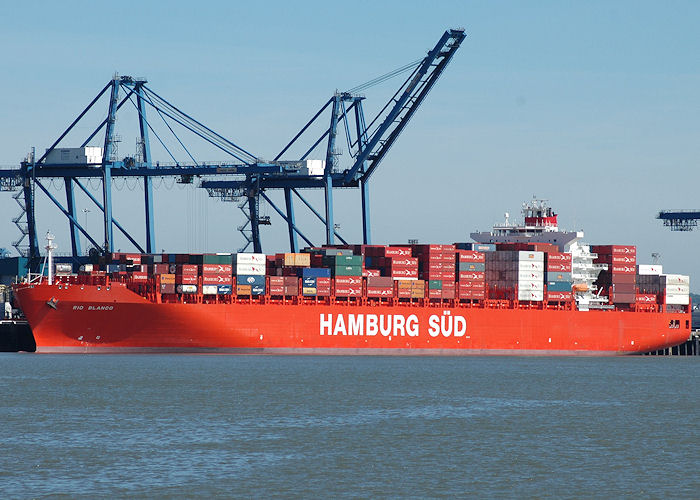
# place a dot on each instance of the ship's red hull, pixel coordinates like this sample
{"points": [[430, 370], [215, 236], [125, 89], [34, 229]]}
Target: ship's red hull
{"points": [[115, 319]]}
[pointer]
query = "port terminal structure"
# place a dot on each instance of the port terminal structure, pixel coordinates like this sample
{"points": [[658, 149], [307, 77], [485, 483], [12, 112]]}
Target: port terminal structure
{"points": [[244, 178], [680, 220]]}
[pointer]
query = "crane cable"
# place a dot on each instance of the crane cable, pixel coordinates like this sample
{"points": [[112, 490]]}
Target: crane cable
{"points": [[387, 76]]}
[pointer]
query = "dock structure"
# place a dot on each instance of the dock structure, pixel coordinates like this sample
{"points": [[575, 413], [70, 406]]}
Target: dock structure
{"points": [[691, 347]]}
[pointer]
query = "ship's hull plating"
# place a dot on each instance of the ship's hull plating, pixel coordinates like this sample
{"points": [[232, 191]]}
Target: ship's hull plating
{"points": [[78, 319]]}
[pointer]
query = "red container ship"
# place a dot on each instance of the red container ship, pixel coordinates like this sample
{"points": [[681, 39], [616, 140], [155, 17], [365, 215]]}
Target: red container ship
{"points": [[522, 290]]}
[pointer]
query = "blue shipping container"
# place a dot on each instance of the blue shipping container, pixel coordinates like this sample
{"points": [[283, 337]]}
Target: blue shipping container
{"points": [[484, 247], [257, 289], [557, 276], [250, 279], [472, 266], [559, 286], [224, 290], [316, 272], [309, 282]]}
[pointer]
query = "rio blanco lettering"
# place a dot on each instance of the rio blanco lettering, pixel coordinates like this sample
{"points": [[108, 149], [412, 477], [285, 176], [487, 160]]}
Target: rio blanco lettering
{"points": [[391, 325], [93, 308]]}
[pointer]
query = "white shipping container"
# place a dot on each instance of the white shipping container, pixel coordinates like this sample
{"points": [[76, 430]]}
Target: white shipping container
{"points": [[537, 286], [677, 279], [63, 267], [678, 299], [675, 289], [250, 269], [530, 275], [86, 267], [649, 269], [209, 289], [530, 256], [249, 258], [537, 296], [186, 288], [530, 266]]}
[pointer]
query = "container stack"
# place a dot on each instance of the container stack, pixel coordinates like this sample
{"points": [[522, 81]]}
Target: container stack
{"points": [[186, 277], [471, 275], [395, 262], [559, 266], [344, 265], [348, 286], [217, 279], [410, 289], [620, 278], [380, 286], [250, 273], [437, 265], [675, 288], [284, 285], [316, 281], [517, 274]]}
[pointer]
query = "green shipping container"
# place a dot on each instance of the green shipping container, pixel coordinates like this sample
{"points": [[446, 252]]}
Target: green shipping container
{"points": [[343, 260], [435, 284], [347, 271]]}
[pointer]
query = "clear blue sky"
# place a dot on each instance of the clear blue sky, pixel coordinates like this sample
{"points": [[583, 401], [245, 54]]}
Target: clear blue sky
{"points": [[591, 105]]}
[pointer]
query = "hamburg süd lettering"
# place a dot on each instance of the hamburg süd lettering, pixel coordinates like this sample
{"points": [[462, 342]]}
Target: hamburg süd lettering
{"points": [[391, 325]]}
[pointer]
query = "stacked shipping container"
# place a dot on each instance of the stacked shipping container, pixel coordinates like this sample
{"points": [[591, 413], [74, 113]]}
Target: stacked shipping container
{"points": [[526, 272], [512, 274], [619, 281]]}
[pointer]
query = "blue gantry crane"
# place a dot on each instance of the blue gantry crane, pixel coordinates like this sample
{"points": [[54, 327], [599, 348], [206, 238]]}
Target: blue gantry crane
{"points": [[680, 220], [244, 177]]}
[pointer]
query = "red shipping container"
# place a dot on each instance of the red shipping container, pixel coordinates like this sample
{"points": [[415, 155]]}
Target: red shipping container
{"points": [[449, 294], [471, 285], [470, 256], [559, 257], [449, 285], [348, 290], [614, 249], [321, 282], [380, 282], [276, 289], [396, 252], [434, 294], [559, 296], [276, 281], [186, 279], [216, 268], [472, 294], [216, 279], [398, 261], [622, 269], [347, 280], [404, 273], [559, 267], [472, 275], [379, 292], [139, 276], [167, 288], [184, 269], [616, 259], [646, 298], [367, 273]]}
